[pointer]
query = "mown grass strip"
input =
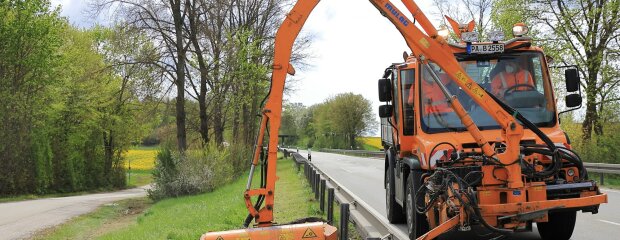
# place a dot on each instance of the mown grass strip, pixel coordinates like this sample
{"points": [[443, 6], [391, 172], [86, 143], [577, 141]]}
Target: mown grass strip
{"points": [[190, 217]]}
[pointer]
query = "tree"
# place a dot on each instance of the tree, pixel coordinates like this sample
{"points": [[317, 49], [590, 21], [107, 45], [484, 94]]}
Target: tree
{"points": [[65, 116], [351, 116], [585, 33], [31, 38], [335, 123], [163, 22], [464, 11]]}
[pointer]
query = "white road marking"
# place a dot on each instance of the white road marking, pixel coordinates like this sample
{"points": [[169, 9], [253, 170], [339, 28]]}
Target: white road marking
{"points": [[609, 190], [610, 222]]}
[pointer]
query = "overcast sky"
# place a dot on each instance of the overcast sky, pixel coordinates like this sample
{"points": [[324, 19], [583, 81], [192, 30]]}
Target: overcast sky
{"points": [[353, 46]]}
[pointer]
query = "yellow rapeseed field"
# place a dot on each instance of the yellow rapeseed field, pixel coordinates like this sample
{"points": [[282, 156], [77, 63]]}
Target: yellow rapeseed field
{"points": [[141, 159], [372, 141]]}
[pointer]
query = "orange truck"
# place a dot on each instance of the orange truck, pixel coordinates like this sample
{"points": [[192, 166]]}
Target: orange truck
{"points": [[470, 131]]}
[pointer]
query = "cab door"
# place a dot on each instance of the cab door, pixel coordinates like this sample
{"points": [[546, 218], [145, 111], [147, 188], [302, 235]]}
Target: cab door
{"points": [[405, 116]]}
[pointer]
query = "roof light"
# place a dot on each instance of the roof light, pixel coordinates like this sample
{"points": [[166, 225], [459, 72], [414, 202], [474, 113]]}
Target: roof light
{"points": [[469, 37], [496, 36], [519, 29], [443, 32]]}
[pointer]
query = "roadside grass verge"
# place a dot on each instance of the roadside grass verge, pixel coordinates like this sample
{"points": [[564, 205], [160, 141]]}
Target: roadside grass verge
{"points": [[109, 217], [190, 217]]}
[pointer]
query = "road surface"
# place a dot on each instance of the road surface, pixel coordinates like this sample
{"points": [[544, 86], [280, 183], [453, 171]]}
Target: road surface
{"points": [[364, 177], [19, 220]]}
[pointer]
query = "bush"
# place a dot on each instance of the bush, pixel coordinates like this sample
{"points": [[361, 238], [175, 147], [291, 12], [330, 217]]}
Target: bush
{"points": [[198, 171]]}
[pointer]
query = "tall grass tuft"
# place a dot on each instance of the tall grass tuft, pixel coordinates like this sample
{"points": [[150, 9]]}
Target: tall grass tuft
{"points": [[197, 171]]}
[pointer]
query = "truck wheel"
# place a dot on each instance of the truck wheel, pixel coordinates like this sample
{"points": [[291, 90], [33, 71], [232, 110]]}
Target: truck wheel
{"points": [[394, 211], [416, 223], [559, 227]]}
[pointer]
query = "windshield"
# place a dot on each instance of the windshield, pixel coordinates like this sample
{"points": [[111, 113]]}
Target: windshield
{"points": [[515, 78]]}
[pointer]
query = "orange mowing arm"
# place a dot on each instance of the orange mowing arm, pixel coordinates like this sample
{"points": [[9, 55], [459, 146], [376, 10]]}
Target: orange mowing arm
{"points": [[285, 37], [434, 49]]}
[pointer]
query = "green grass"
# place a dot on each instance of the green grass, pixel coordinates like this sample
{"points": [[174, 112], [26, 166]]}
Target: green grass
{"points": [[142, 147], [107, 218], [190, 217], [610, 180], [138, 178], [369, 147]]}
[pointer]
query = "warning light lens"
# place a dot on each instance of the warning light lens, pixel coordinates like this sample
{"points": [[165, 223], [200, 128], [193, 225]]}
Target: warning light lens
{"points": [[443, 32], [519, 29]]}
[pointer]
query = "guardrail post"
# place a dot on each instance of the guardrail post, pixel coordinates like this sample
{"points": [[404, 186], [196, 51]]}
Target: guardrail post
{"points": [[313, 179], [306, 170], [312, 176], [322, 196], [602, 178], [344, 221], [330, 206], [317, 183]]}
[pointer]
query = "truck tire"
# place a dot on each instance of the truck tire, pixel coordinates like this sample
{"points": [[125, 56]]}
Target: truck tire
{"points": [[394, 211], [417, 224], [559, 227]]}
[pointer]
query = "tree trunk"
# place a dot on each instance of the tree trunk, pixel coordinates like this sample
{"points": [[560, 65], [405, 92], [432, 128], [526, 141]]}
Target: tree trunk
{"points": [[202, 94], [108, 142], [218, 123], [352, 141], [180, 75], [235, 125], [591, 120]]}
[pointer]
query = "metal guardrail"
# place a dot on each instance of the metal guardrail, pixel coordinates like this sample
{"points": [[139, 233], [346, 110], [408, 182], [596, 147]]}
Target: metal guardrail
{"points": [[371, 224], [600, 168], [361, 153]]}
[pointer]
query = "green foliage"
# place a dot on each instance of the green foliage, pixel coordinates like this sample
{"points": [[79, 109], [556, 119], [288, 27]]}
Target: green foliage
{"points": [[65, 117], [334, 123], [601, 148], [31, 37]]}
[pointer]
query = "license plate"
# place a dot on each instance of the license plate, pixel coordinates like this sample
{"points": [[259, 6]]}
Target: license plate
{"points": [[486, 48]]}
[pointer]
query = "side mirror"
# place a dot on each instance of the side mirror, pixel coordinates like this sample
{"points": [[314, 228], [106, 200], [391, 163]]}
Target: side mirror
{"points": [[573, 100], [572, 80], [385, 90], [385, 111]]}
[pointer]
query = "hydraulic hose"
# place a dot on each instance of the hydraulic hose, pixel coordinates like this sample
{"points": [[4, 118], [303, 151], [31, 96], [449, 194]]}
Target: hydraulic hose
{"points": [[556, 164], [261, 198]]}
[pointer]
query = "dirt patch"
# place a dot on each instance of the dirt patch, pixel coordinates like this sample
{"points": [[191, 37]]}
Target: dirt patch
{"points": [[127, 214], [107, 218]]}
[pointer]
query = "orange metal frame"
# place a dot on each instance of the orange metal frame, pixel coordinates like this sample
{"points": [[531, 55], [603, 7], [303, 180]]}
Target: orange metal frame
{"points": [[427, 46]]}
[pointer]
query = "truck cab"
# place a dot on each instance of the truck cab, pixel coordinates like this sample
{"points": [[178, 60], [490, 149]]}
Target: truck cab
{"points": [[420, 131]]}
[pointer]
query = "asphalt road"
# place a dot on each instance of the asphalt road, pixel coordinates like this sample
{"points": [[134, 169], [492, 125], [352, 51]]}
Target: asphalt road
{"points": [[19, 220], [364, 177]]}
